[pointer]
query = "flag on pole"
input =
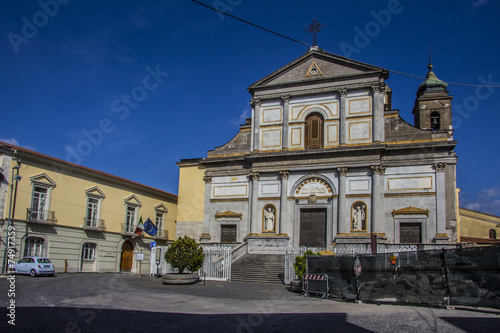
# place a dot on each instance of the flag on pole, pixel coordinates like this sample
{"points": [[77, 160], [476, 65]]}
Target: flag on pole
{"points": [[139, 228], [150, 228]]}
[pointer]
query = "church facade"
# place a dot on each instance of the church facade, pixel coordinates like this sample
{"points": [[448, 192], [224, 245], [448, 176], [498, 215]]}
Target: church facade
{"points": [[326, 162]]}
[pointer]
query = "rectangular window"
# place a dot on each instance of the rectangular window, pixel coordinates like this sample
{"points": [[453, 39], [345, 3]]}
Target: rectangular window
{"points": [[92, 212], [34, 247], [159, 220], [39, 203], [130, 219], [88, 252]]}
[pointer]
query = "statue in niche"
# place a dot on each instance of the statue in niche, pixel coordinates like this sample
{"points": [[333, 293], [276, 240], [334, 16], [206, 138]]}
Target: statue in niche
{"points": [[358, 216], [269, 218]]}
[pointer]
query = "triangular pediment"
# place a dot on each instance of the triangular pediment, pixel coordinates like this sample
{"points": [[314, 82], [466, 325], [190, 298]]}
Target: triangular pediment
{"points": [[410, 211], [43, 179], [95, 191], [161, 208], [133, 200], [318, 65]]}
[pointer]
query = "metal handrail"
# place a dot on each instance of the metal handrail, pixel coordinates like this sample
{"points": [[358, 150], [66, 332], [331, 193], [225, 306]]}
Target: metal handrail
{"points": [[40, 216], [93, 224]]}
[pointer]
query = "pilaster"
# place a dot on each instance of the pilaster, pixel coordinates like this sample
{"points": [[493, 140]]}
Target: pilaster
{"points": [[343, 223], [377, 217], [255, 103], [254, 216], [440, 200], [286, 111], [378, 114], [281, 228], [205, 236], [343, 116]]}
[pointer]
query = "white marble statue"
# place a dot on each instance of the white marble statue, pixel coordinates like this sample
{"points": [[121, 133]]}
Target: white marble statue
{"points": [[269, 219]]}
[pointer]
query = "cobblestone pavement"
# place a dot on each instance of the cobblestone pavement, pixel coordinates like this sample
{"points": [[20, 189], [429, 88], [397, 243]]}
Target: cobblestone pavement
{"points": [[128, 303]]}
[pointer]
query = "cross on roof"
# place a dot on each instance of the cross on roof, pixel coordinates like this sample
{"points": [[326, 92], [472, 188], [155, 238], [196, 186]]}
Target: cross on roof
{"points": [[314, 28]]}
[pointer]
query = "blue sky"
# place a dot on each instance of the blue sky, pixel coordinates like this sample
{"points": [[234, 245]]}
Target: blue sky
{"points": [[68, 72]]}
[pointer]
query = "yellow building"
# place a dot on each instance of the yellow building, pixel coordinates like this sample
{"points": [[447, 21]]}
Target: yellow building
{"points": [[479, 228], [82, 219]]}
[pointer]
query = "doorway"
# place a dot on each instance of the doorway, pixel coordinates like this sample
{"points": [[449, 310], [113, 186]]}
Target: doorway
{"points": [[228, 234], [313, 227], [126, 258], [410, 233]]}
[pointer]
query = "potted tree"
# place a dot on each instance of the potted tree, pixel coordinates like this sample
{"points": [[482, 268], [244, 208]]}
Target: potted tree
{"points": [[186, 257]]}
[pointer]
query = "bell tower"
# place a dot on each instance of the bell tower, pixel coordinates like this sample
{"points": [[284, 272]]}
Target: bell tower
{"points": [[432, 108]]}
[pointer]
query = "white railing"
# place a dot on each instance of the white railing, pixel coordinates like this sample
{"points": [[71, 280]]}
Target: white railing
{"points": [[217, 263], [239, 251], [365, 248], [216, 266], [164, 267], [290, 254]]}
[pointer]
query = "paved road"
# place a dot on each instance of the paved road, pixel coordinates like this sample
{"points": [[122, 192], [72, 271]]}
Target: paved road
{"points": [[127, 303]]}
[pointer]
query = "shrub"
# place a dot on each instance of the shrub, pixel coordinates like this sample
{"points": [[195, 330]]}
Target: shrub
{"points": [[300, 264], [184, 254]]}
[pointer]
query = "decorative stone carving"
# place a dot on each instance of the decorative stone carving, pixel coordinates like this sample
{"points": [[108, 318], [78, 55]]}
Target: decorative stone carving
{"points": [[378, 169], [378, 89], [342, 171], [254, 175], [207, 179], [312, 199], [284, 174], [440, 166], [343, 92], [313, 186], [255, 102], [286, 98]]}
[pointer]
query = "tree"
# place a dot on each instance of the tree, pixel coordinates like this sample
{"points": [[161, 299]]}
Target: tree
{"points": [[184, 253], [300, 264]]}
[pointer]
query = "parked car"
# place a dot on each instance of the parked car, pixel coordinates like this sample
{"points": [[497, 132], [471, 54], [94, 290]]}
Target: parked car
{"points": [[35, 266]]}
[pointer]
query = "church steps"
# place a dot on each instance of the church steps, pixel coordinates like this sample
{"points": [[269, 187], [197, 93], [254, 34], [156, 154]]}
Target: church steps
{"points": [[258, 268]]}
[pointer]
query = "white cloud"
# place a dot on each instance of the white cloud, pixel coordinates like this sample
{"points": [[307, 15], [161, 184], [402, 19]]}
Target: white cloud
{"points": [[479, 3], [242, 118], [14, 142], [486, 201]]}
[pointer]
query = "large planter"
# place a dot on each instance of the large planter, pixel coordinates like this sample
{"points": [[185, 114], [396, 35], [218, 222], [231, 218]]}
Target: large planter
{"points": [[179, 278]]}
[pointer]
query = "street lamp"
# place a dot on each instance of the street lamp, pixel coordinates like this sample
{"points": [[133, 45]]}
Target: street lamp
{"points": [[15, 178]]}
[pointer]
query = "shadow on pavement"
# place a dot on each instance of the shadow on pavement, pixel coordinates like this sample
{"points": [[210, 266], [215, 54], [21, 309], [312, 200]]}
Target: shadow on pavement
{"points": [[54, 319]]}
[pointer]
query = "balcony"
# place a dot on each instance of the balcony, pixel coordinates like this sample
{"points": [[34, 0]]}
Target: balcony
{"points": [[161, 234], [93, 224], [40, 216], [128, 230]]}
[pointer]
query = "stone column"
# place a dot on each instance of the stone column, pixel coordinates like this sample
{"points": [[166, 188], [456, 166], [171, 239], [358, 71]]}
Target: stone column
{"points": [[378, 114], [440, 199], [205, 236], [281, 228], [343, 116], [286, 111], [256, 102], [254, 217], [343, 224], [377, 216]]}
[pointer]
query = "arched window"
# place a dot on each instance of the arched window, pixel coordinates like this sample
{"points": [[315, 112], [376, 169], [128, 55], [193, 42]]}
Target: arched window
{"points": [[493, 234], [34, 247], [435, 120], [314, 131]]}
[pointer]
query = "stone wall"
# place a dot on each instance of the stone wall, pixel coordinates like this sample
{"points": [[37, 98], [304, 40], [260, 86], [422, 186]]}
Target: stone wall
{"points": [[469, 276]]}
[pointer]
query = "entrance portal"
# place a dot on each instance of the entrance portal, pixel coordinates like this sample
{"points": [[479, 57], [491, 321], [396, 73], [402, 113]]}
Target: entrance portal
{"points": [[126, 259], [313, 227]]}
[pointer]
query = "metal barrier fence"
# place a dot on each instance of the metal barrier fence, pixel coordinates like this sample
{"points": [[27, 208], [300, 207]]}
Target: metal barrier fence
{"points": [[316, 284], [290, 254], [216, 266]]}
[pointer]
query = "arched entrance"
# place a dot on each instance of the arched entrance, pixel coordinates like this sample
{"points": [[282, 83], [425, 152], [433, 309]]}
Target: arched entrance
{"points": [[126, 258]]}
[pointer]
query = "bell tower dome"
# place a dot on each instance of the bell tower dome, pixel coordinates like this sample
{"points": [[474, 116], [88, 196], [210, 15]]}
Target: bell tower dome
{"points": [[432, 108]]}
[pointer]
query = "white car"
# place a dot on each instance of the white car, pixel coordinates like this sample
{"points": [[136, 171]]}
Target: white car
{"points": [[35, 266]]}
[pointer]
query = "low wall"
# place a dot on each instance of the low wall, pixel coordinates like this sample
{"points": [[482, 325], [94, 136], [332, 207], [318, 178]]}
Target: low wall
{"points": [[469, 276]]}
